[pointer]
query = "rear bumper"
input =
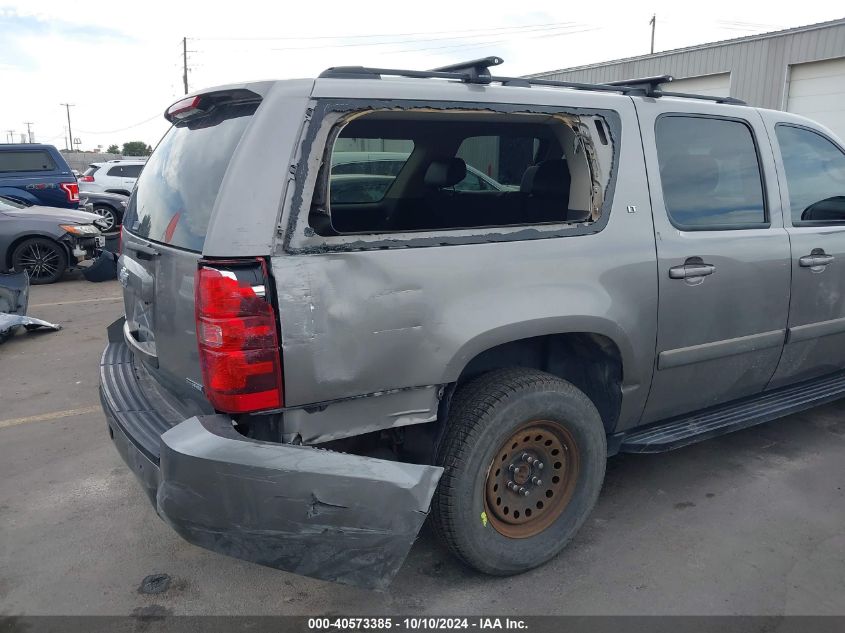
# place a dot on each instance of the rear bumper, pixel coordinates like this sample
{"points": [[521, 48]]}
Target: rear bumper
{"points": [[304, 510]]}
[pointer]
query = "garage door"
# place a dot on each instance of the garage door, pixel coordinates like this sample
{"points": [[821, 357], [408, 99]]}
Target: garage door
{"points": [[817, 91], [713, 85]]}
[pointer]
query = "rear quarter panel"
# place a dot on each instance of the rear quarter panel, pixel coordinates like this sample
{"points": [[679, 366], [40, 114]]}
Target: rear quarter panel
{"points": [[361, 322]]}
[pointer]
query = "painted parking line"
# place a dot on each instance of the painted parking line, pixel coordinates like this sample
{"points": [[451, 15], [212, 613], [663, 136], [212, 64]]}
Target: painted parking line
{"points": [[69, 303], [55, 415]]}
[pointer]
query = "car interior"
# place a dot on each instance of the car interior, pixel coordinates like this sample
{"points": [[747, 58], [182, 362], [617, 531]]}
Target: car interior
{"points": [[539, 160]]}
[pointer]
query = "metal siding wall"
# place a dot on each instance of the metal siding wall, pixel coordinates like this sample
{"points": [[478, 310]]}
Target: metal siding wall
{"points": [[757, 66]]}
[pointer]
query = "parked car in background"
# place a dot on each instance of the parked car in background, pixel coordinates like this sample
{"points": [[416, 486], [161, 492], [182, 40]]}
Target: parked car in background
{"points": [[46, 241], [37, 174], [391, 163], [109, 206], [114, 176]]}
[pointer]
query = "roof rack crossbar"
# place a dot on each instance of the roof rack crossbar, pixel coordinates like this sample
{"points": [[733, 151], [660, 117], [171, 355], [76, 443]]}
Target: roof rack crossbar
{"points": [[478, 71]]}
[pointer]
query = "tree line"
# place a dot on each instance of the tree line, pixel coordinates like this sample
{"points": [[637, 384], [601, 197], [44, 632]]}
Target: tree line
{"points": [[132, 148]]}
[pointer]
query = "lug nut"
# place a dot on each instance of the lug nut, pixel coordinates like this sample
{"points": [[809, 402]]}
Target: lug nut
{"points": [[523, 491], [511, 468], [513, 486], [536, 481], [526, 457], [539, 464], [530, 459]]}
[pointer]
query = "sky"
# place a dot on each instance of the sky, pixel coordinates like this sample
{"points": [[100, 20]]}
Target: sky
{"points": [[120, 63]]}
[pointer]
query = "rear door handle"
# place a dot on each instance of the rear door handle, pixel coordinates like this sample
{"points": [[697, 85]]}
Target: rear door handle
{"points": [[687, 271], [814, 260]]}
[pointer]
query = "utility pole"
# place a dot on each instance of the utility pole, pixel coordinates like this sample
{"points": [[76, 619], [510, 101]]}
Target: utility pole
{"points": [[184, 62], [10, 136], [68, 106], [28, 130], [653, 23]]}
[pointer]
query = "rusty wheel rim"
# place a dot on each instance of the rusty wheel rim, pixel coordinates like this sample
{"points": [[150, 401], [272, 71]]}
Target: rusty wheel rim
{"points": [[531, 479]]}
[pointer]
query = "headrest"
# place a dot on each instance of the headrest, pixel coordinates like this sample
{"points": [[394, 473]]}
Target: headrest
{"points": [[548, 178], [445, 173]]}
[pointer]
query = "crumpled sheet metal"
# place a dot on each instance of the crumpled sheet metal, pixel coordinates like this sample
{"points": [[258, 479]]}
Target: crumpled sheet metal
{"points": [[318, 513], [14, 298], [8, 321]]}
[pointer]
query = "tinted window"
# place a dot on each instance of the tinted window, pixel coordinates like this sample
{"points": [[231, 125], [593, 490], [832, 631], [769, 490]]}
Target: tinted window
{"points": [[115, 171], [179, 184], [372, 167], [26, 161], [132, 171], [815, 175], [710, 172]]}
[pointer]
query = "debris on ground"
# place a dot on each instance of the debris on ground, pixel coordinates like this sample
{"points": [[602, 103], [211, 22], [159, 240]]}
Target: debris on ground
{"points": [[14, 297]]}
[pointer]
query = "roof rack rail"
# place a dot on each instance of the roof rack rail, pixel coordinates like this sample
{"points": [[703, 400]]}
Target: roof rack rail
{"points": [[478, 72]]}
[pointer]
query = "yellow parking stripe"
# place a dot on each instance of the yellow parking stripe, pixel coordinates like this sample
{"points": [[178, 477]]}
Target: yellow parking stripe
{"points": [[56, 415]]}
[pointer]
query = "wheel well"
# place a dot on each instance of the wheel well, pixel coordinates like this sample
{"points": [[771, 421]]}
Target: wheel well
{"points": [[10, 251], [591, 362], [120, 191]]}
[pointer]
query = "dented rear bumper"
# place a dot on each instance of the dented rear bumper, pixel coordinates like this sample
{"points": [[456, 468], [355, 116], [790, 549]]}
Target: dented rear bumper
{"points": [[305, 510]]}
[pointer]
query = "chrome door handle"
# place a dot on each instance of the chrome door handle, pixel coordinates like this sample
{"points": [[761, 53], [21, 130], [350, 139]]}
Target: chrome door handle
{"points": [[687, 271], [814, 260]]}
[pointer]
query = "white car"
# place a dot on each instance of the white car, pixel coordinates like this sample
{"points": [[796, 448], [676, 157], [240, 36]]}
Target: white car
{"points": [[114, 176]]}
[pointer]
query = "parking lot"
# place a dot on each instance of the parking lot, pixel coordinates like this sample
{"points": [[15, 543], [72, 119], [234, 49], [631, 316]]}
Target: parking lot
{"points": [[752, 523]]}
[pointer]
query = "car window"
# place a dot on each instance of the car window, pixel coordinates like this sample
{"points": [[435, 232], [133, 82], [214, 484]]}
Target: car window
{"points": [[179, 184], [31, 160], [473, 182], [117, 171], [92, 169], [364, 168], [453, 171], [132, 171], [9, 204], [815, 175], [710, 173]]}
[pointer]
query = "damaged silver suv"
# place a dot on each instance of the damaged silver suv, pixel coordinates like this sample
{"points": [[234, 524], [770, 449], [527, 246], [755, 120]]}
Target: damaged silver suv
{"points": [[313, 360]]}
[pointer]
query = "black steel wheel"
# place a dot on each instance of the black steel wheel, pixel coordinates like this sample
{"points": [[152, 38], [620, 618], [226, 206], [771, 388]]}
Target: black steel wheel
{"points": [[524, 455], [44, 260]]}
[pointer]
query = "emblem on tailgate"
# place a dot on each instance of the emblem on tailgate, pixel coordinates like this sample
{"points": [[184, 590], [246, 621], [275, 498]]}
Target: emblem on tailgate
{"points": [[123, 276]]}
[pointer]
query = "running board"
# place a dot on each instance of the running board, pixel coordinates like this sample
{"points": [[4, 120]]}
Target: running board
{"points": [[726, 418]]}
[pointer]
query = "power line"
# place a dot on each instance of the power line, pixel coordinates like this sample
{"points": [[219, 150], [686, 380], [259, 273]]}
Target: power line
{"points": [[372, 35], [123, 129]]}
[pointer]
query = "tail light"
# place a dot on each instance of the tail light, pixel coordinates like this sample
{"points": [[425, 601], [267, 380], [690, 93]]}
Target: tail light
{"points": [[71, 190], [236, 332], [86, 179]]}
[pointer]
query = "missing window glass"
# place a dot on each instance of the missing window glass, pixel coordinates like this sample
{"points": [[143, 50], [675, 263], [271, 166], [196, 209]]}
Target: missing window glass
{"points": [[422, 170]]}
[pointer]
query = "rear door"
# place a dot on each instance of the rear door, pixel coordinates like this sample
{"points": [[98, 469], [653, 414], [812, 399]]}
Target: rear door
{"points": [[811, 169], [164, 234], [130, 175], [722, 254]]}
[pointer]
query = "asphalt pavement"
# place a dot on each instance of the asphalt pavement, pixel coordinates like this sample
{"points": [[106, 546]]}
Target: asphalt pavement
{"points": [[751, 523]]}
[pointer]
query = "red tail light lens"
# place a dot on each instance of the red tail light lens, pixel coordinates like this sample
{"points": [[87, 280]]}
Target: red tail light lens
{"points": [[71, 190], [86, 179], [238, 346]]}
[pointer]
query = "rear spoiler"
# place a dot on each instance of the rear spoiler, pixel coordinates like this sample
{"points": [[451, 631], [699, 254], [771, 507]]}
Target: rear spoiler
{"points": [[196, 105]]}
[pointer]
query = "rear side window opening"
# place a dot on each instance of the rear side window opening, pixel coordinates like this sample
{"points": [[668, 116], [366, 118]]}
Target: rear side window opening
{"points": [[178, 185], [446, 170]]}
